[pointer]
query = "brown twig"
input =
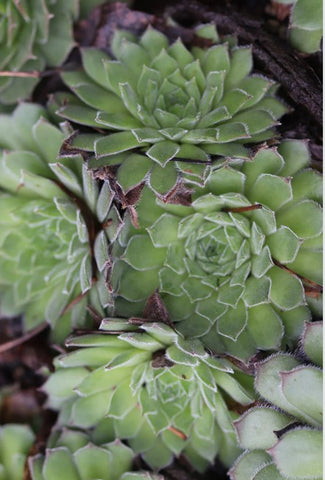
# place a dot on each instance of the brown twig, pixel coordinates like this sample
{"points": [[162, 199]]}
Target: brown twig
{"points": [[92, 224], [33, 74], [312, 285], [257, 206], [19, 341], [73, 302], [177, 432], [312, 293]]}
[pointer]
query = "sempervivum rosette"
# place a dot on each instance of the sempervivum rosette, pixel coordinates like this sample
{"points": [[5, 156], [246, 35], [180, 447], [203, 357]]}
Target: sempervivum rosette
{"points": [[70, 455], [283, 439], [176, 105], [150, 385], [54, 229], [33, 34], [236, 266], [15, 443]]}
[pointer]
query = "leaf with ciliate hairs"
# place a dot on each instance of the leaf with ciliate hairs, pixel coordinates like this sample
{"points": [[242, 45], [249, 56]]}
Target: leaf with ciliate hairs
{"points": [[299, 453], [312, 342], [283, 440]]}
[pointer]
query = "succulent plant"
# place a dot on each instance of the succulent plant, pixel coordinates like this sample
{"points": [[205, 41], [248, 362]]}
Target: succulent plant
{"points": [[54, 221], [237, 265], [306, 24], [15, 442], [33, 34], [152, 386], [284, 439], [179, 106], [72, 456]]}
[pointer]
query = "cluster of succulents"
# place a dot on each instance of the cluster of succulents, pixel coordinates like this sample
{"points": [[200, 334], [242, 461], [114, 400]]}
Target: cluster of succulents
{"points": [[306, 24], [134, 200], [283, 438]]}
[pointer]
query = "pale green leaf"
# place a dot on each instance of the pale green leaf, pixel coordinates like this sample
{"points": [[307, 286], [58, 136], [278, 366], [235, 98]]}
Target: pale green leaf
{"points": [[59, 464], [298, 454], [255, 429], [233, 322], [116, 143], [303, 388], [265, 327], [142, 255], [163, 152], [303, 218], [264, 188]]}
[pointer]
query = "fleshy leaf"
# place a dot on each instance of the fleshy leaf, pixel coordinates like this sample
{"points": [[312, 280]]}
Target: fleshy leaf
{"points": [[312, 342], [286, 289], [255, 429], [134, 253], [284, 245], [116, 143], [302, 387], [299, 454]]}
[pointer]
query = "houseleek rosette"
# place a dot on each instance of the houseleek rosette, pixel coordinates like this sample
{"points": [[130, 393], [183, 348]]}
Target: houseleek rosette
{"points": [[150, 385], [306, 24], [177, 105], [15, 443], [72, 456], [283, 440], [238, 265], [54, 229], [33, 34]]}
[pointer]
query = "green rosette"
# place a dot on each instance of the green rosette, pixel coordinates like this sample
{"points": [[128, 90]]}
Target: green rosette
{"points": [[164, 394], [240, 267], [55, 231], [168, 110]]}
